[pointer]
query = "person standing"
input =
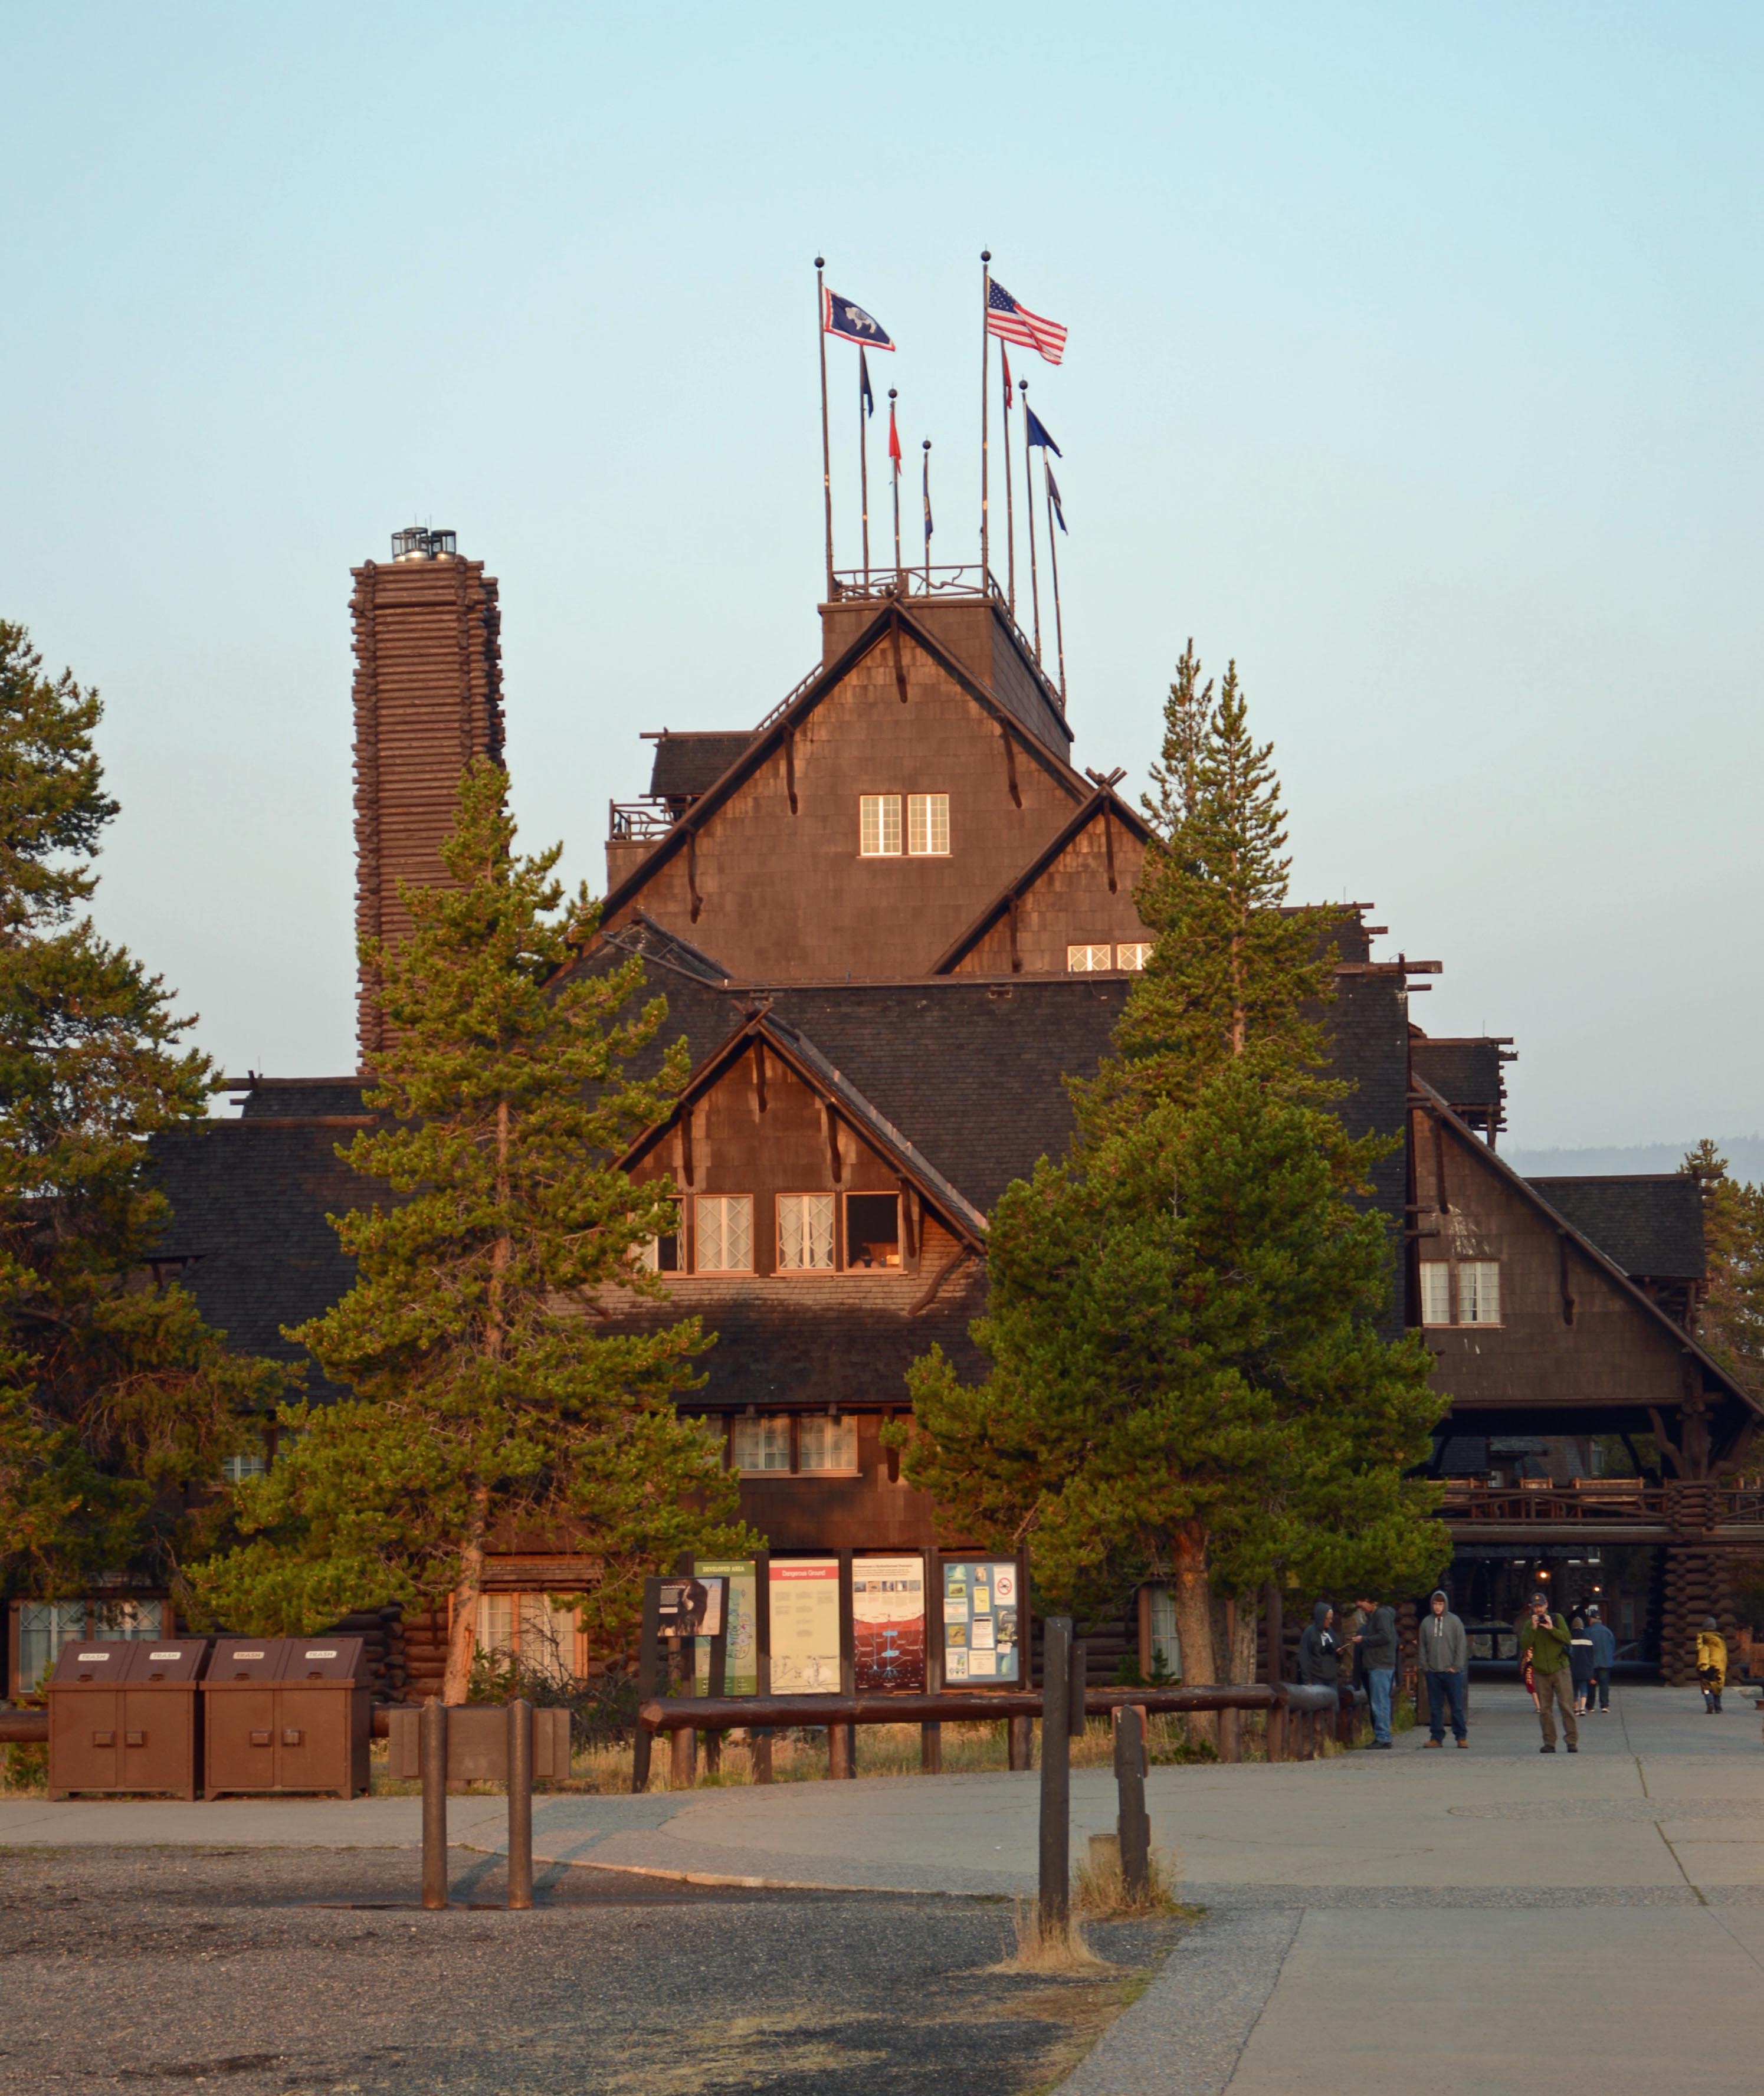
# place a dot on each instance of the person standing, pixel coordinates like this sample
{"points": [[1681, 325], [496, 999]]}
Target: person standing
{"points": [[1604, 1659], [1444, 1657], [1375, 1642], [1544, 1642], [1320, 1664], [1711, 1664], [1580, 1661]]}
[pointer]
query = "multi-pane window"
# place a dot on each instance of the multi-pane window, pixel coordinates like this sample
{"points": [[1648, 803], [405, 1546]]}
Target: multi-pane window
{"points": [[826, 1444], [661, 1255], [44, 1627], [1086, 960], [532, 1631], [1132, 957], [725, 1231], [805, 1232], [1478, 1291], [927, 825], [238, 1468], [879, 825], [762, 1445]]}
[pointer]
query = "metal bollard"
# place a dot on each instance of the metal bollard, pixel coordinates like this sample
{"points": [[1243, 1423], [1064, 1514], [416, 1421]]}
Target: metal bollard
{"points": [[1056, 1779], [520, 1804], [432, 1747], [1132, 1819]]}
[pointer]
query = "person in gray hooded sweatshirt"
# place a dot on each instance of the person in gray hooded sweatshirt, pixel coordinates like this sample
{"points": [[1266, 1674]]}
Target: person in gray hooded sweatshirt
{"points": [[1320, 1664], [1444, 1657]]}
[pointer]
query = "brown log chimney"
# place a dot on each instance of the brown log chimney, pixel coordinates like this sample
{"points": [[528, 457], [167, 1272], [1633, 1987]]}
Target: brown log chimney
{"points": [[428, 699]]}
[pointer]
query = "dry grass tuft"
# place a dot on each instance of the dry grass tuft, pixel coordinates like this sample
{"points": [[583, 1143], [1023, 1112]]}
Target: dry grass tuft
{"points": [[1100, 1891], [1036, 1952]]}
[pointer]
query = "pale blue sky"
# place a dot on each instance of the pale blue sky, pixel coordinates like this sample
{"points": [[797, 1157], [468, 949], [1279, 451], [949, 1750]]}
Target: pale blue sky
{"points": [[1414, 361]]}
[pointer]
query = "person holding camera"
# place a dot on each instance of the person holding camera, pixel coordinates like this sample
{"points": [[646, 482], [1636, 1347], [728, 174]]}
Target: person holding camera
{"points": [[1545, 1642]]}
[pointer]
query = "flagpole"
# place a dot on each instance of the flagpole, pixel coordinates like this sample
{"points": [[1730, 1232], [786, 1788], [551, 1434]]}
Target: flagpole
{"points": [[1029, 490], [827, 447], [928, 517], [1053, 555], [863, 467], [1011, 514], [895, 466], [985, 399]]}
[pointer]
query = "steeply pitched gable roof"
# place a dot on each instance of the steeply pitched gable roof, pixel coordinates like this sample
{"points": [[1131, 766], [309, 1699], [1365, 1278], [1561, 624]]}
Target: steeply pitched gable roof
{"points": [[690, 763], [1650, 1224]]}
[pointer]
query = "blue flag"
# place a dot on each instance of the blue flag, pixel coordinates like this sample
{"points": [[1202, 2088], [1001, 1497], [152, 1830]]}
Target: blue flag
{"points": [[866, 398], [1053, 497], [928, 498], [853, 323], [1038, 434]]}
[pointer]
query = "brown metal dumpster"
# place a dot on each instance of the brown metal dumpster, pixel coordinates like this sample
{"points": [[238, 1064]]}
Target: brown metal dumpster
{"points": [[286, 1714], [126, 1716]]}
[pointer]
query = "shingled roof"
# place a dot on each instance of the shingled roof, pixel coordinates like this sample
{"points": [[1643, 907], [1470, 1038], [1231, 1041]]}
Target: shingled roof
{"points": [[1464, 1072], [1650, 1224], [688, 764]]}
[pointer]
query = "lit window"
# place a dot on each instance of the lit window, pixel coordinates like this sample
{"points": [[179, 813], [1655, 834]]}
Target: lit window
{"points": [[760, 1444], [238, 1468], [805, 1232], [1134, 957], [531, 1631], [1479, 1291], [1435, 1292], [826, 1444], [725, 1233], [661, 1255], [872, 1231], [879, 825], [1086, 960], [927, 825]]}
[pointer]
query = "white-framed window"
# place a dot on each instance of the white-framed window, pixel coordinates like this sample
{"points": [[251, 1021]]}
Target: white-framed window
{"points": [[1435, 1292], [661, 1255], [879, 825], [826, 1444], [805, 1232], [1479, 1291], [237, 1468], [725, 1233], [760, 1444], [530, 1629], [1133, 956], [927, 825], [1087, 960]]}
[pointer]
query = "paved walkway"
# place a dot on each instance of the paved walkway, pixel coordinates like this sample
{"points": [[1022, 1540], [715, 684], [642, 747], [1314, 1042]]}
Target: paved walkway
{"points": [[1497, 1920]]}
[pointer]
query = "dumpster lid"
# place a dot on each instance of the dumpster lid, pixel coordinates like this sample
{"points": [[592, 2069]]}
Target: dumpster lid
{"points": [[322, 1659], [245, 1660], [167, 1659], [97, 1663]]}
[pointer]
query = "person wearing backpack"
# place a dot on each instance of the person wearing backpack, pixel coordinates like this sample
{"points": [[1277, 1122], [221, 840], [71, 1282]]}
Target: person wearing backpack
{"points": [[1580, 1661], [1604, 1659], [1712, 1664]]}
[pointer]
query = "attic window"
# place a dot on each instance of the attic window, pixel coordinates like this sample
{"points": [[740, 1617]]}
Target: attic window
{"points": [[725, 1231], [805, 1232], [879, 825], [1476, 1283], [1133, 957], [1086, 960], [872, 1231], [927, 825], [661, 1255]]}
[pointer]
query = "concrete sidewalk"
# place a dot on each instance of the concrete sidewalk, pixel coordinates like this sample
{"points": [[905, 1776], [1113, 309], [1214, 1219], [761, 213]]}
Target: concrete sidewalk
{"points": [[1392, 1914]]}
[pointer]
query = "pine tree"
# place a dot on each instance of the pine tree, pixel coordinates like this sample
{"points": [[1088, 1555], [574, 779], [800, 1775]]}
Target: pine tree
{"points": [[1731, 1324], [117, 1403], [1187, 1377], [485, 1395]]}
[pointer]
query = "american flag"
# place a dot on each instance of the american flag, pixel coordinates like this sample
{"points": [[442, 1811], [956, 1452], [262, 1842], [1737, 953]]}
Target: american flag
{"points": [[1014, 323]]}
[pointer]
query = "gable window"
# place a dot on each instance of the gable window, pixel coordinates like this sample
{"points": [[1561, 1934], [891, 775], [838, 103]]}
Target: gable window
{"points": [[1477, 1283], [927, 825], [825, 1444], [1086, 960], [1134, 957], [760, 1444], [805, 1232], [725, 1233], [872, 1231], [661, 1255], [879, 825]]}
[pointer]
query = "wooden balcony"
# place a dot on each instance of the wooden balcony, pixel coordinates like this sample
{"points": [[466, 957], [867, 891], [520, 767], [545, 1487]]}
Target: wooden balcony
{"points": [[1602, 1510]]}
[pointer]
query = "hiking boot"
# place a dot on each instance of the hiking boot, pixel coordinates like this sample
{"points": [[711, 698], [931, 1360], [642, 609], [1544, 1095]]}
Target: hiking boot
{"points": [[1572, 1748], [1464, 1743], [1546, 1750], [1432, 1743]]}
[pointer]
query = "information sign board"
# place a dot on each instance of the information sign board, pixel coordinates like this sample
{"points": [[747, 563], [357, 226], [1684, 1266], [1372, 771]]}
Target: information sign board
{"points": [[888, 1622], [735, 1579], [982, 1638], [805, 1626]]}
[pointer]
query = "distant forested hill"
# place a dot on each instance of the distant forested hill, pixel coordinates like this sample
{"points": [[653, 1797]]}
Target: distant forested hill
{"points": [[1744, 1155]]}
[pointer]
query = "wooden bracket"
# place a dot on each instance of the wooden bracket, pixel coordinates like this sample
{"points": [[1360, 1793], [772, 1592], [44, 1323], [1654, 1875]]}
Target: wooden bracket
{"points": [[790, 767], [692, 874], [1562, 1277], [833, 1161], [1011, 765], [1108, 845], [1011, 917], [759, 1072], [900, 665], [686, 1145], [909, 1222]]}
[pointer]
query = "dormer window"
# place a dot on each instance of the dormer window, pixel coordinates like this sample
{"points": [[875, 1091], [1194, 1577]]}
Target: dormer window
{"points": [[724, 1228], [805, 1232]]}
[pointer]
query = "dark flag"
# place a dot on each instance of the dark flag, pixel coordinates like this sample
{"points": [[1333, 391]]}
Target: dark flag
{"points": [[851, 323], [867, 399], [1053, 497], [1004, 358], [928, 501], [1037, 434]]}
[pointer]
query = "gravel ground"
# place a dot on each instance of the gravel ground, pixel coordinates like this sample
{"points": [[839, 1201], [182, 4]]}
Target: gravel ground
{"points": [[255, 1971]]}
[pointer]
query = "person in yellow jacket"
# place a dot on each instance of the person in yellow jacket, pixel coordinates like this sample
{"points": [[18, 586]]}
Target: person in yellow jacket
{"points": [[1711, 1664]]}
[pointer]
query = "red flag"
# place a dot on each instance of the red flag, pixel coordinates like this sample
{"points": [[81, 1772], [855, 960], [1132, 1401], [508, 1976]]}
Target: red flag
{"points": [[894, 438], [1004, 358]]}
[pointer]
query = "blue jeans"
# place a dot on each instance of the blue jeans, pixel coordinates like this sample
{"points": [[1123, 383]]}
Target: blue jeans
{"points": [[1379, 1679], [1442, 1688]]}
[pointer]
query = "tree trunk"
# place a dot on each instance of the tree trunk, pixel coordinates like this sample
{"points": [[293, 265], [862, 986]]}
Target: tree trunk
{"points": [[1191, 1597], [462, 1645]]}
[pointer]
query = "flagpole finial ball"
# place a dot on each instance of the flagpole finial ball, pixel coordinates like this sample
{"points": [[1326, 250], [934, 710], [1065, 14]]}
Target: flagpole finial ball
{"points": [[820, 261], [927, 443], [891, 393], [985, 255]]}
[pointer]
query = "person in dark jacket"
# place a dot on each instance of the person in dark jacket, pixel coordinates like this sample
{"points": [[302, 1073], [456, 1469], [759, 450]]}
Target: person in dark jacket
{"points": [[1604, 1659], [1320, 1665], [1443, 1653], [1580, 1661], [1375, 1644], [1544, 1642]]}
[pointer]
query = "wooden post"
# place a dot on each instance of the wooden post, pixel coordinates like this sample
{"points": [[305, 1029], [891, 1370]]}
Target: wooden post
{"points": [[931, 1749], [683, 1759], [839, 1744], [520, 1805], [649, 1680], [1019, 1744], [1078, 1682], [432, 1746], [1132, 1819], [1056, 1779]]}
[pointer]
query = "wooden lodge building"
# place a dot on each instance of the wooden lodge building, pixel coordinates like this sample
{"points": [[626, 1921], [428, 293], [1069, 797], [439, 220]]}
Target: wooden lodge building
{"points": [[890, 920]]}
